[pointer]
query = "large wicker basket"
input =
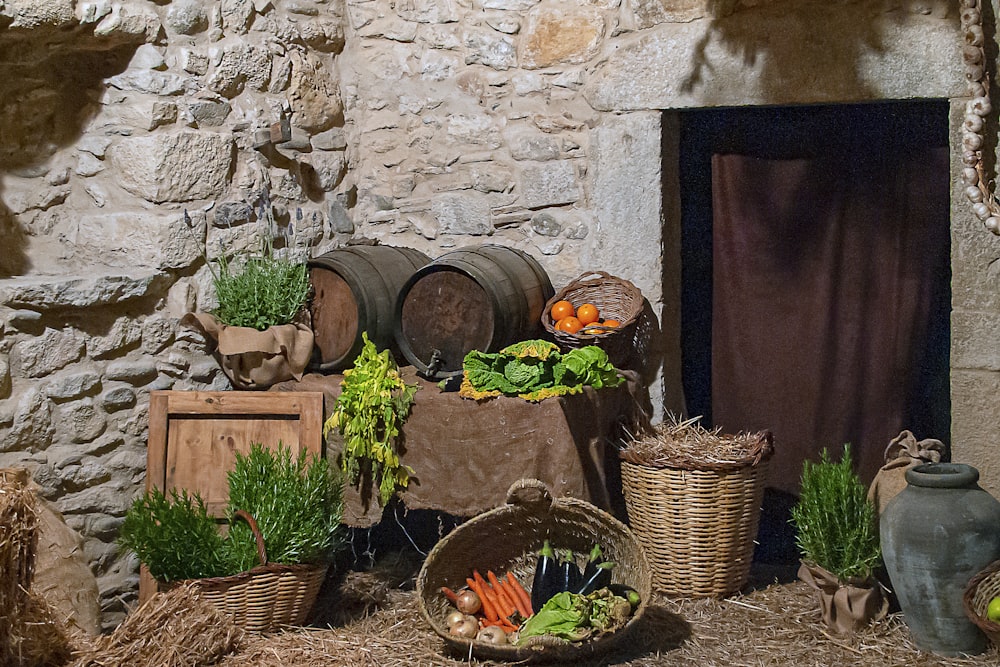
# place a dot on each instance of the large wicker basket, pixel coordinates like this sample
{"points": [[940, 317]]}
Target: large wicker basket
{"points": [[982, 588], [508, 538], [264, 598], [698, 523], [615, 298]]}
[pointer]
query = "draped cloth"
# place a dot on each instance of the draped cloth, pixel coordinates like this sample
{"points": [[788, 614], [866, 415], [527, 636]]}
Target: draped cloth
{"points": [[824, 272]]}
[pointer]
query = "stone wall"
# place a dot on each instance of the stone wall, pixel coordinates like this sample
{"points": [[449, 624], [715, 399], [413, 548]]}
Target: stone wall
{"points": [[146, 139]]}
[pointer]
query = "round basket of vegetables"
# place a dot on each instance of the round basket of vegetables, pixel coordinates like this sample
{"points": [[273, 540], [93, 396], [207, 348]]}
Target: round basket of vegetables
{"points": [[535, 579]]}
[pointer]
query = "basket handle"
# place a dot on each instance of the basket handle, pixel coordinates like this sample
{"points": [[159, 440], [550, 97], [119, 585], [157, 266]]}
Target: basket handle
{"points": [[529, 492], [261, 550]]}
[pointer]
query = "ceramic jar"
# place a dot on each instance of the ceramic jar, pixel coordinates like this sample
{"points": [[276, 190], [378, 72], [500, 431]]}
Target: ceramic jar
{"points": [[936, 534]]}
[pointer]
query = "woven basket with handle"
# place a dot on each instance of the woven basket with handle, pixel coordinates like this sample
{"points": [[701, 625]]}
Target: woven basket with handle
{"points": [[265, 597], [698, 521], [615, 298], [982, 588], [507, 539]]}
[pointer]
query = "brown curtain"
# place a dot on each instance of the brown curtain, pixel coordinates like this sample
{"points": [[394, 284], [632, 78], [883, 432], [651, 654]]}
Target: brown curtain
{"points": [[823, 270]]}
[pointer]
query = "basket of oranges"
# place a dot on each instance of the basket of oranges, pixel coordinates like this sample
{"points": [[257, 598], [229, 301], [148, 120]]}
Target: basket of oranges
{"points": [[595, 309]]}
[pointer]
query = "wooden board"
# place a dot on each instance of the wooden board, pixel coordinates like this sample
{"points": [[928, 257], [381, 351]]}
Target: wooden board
{"points": [[194, 437]]}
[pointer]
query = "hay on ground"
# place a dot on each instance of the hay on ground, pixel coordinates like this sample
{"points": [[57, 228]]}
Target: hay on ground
{"points": [[174, 629]]}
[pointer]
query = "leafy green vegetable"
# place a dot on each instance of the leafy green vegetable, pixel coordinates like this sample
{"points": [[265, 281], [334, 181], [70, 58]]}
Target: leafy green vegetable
{"points": [[372, 405], [565, 615], [575, 617], [535, 370]]}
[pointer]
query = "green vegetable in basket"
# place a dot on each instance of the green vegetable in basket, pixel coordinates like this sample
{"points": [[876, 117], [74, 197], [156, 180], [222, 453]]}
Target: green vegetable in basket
{"points": [[608, 612], [565, 615]]}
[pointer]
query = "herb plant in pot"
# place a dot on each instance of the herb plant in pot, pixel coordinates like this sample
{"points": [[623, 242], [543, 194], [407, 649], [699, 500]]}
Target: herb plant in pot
{"points": [[268, 567], [837, 534], [260, 331]]}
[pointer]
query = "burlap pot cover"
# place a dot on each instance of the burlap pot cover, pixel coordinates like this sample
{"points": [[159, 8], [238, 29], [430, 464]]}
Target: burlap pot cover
{"points": [[846, 607], [904, 452], [253, 359]]}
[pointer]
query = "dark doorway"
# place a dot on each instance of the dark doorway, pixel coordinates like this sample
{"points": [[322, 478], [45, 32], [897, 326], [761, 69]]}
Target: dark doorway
{"points": [[816, 276]]}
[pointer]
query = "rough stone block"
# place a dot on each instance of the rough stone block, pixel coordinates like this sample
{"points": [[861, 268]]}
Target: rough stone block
{"points": [[136, 372], [549, 184], [68, 386], [141, 239], [490, 48], [458, 213], [31, 427], [159, 167], [41, 355], [563, 34]]}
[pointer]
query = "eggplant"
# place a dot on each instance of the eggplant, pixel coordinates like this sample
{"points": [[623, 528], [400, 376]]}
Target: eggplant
{"points": [[570, 575], [595, 573], [545, 583]]}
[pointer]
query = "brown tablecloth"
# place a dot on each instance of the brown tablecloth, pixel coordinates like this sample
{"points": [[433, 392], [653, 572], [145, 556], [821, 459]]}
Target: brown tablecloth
{"points": [[465, 454]]}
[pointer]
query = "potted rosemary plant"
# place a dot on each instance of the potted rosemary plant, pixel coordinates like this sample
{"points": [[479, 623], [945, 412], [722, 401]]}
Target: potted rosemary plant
{"points": [[837, 535], [260, 329], [279, 552]]}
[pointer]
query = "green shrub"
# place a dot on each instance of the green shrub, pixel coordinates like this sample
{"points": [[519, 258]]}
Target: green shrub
{"points": [[835, 521], [261, 292], [175, 537], [297, 503]]}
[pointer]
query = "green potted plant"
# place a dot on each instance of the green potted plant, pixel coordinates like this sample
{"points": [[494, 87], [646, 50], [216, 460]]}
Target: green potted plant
{"points": [[285, 528], [260, 329], [837, 535]]}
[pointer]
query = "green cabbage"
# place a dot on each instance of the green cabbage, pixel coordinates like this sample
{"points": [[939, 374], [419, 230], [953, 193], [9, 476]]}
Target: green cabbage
{"points": [[535, 370]]}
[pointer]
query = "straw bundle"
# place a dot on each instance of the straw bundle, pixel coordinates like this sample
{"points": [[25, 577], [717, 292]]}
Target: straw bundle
{"points": [[18, 543], [174, 629], [36, 638], [688, 445]]}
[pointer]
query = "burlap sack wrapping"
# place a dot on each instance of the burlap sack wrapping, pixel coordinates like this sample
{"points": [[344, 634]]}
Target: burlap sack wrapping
{"points": [[904, 452], [253, 359], [846, 607]]}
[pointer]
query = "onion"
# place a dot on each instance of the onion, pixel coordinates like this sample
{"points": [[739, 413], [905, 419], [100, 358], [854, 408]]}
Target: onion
{"points": [[466, 629], [454, 618], [468, 602], [492, 635]]}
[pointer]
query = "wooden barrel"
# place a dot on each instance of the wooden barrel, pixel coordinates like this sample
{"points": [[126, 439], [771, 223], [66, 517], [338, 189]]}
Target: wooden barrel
{"points": [[476, 298], [355, 290]]}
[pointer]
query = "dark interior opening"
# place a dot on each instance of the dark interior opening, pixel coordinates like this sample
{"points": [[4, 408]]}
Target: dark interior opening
{"points": [[869, 147]]}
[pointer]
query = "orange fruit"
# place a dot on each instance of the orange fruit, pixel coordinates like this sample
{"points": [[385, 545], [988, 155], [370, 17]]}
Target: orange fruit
{"points": [[561, 309], [587, 313], [611, 323], [569, 325]]}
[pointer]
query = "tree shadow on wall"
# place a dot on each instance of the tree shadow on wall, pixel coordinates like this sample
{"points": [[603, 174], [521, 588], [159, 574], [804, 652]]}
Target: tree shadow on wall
{"points": [[804, 51], [50, 95]]}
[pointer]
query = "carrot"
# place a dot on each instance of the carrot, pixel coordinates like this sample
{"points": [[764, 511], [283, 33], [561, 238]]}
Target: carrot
{"points": [[498, 603], [489, 605], [515, 598], [450, 594], [521, 593], [509, 604]]}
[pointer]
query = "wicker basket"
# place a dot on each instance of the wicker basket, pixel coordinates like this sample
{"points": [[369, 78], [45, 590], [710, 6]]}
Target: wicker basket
{"points": [[698, 524], [982, 588], [508, 538], [265, 597], [616, 299]]}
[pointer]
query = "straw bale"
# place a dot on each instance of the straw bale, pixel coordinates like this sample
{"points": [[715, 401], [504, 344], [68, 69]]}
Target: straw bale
{"points": [[36, 638], [173, 629], [18, 540]]}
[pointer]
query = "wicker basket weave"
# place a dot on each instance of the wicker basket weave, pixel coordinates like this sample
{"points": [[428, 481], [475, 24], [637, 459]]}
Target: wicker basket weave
{"points": [[698, 524], [982, 588], [615, 298], [508, 538], [266, 597]]}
